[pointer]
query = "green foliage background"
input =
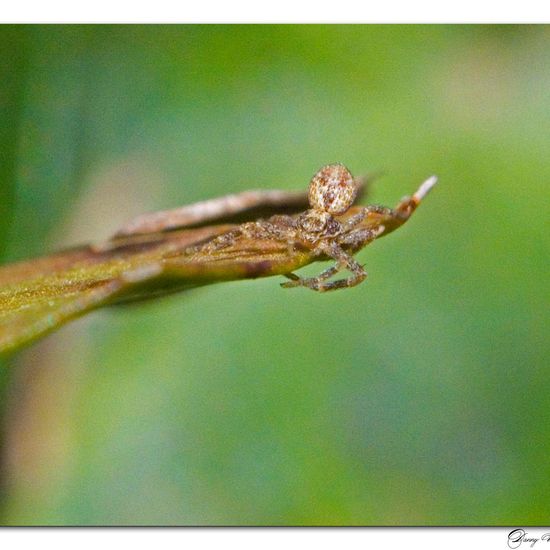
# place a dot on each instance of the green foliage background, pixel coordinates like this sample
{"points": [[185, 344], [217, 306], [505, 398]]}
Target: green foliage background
{"points": [[418, 397]]}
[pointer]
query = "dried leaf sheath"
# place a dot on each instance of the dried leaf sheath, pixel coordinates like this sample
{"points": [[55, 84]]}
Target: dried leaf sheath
{"points": [[39, 295]]}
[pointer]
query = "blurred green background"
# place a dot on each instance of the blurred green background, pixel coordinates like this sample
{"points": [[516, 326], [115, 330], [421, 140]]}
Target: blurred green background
{"points": [[419, 397]]}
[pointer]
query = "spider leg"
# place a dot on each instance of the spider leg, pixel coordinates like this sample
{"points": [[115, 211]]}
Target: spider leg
{"points": [[360, 237], [343, 261], [221, 241], [356, 219], [348, 262], [252, 230], [352, 221], [295, 280]]}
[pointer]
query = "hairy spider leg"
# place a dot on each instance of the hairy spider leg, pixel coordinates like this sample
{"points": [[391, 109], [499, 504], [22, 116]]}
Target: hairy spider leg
{"points": [[343, 261], [326, 274], [361, 236], [252, 230]]}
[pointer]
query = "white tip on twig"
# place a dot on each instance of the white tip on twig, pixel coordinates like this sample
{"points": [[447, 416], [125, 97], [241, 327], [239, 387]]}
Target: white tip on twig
{"points": [[425, 188]]}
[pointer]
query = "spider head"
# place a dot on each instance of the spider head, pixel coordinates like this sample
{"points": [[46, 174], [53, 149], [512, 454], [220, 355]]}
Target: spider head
{"points": [[316, 225], [332, 190]]}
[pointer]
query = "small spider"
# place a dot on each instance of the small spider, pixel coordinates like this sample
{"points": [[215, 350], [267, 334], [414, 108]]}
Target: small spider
{"points": [[332, 191]]}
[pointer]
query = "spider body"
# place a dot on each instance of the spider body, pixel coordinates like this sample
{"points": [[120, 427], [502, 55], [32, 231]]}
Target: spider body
{"points": [[332, 191]]}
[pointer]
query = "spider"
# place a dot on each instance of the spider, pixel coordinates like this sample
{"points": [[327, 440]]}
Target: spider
{"points": [[331, 193]]}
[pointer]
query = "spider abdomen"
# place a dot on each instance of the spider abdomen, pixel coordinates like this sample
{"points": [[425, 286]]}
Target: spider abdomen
{"points": [[332, 189]]}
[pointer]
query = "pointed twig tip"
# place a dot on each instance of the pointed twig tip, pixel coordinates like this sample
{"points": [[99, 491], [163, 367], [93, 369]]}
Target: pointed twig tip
{"points": [[425, 188]]}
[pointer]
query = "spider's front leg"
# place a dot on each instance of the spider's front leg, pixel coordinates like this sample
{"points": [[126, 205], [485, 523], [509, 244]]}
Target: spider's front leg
{"points": [[358, 238], [343, 261], [349, 224]]}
